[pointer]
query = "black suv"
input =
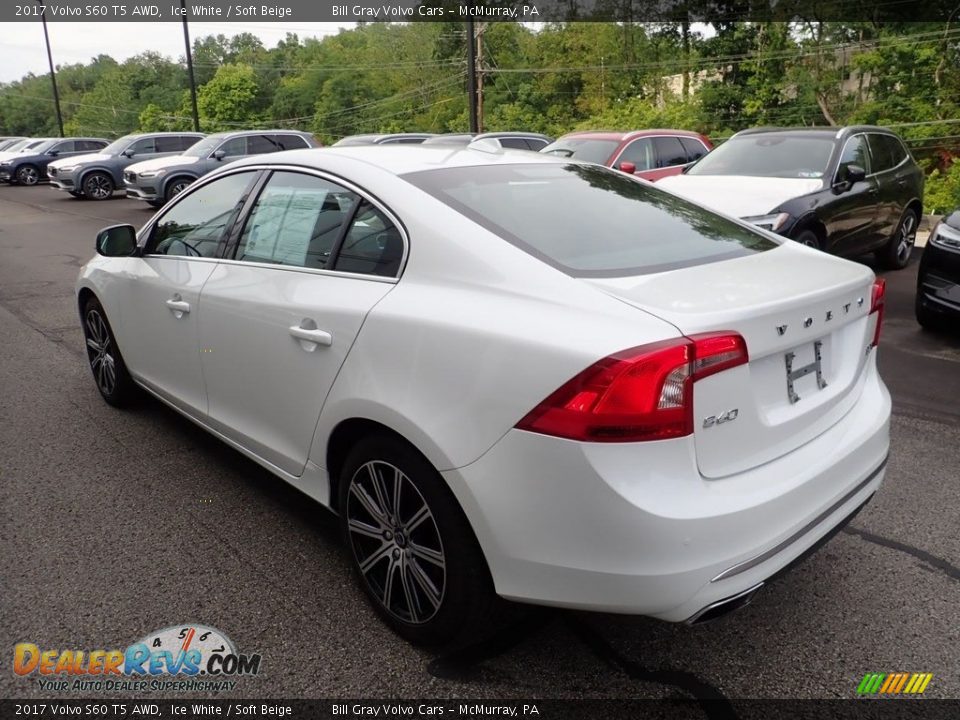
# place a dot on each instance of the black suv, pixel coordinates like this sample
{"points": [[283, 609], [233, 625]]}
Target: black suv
{"points": [[30, 167], [938, 278], [848, 191]]}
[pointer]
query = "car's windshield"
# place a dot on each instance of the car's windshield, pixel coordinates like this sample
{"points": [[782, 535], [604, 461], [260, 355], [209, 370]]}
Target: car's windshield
{"points": [[589, 221], [769, 155], [118, 146], [204, 147], [581, 148], [11, 144]]}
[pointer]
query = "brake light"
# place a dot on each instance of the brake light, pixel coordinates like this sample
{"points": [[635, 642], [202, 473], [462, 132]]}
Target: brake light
{"points": [[645, 393], [876, 306]]}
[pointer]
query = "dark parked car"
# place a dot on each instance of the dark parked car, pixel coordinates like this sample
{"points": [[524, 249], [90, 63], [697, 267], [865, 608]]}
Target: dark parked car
{"points": [[848, 191], [30, 167], [648, 154], [97, 175], [159, 180], [385, 139], [938, 279]]}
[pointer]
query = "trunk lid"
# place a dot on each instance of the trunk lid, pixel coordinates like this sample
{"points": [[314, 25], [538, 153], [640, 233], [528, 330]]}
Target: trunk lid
{"points": [[790, 304]]}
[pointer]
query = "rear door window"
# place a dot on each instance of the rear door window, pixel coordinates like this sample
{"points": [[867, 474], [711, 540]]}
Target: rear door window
{"points": [[695, 149], [372, 246], [261, 144], [169, 144], [669, 152], [289, 142], [90, 145], [881, 152]]}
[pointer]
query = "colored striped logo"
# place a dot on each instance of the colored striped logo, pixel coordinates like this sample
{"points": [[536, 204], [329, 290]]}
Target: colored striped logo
{"points": [[894, 683]]}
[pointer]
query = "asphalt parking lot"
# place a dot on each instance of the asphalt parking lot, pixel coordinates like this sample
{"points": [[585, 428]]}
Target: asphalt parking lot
{"points": [[116, 523]]}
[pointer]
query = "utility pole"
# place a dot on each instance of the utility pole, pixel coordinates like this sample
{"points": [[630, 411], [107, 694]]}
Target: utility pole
{"points": [[193, 81], [53, 74], [472, 76], [479, 68]]}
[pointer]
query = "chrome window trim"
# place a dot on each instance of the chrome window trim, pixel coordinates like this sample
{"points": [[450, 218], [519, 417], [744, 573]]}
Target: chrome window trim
{"points": [[147, 230]]}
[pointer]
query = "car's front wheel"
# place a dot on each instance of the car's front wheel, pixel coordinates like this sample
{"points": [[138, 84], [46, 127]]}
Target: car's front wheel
{"points": [[411, 546], [109, 370], [28, 175], [895, 255], [809, 238], [175, 187], [98, 186]]}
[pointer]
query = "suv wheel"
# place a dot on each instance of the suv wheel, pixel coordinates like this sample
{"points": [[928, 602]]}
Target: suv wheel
{"points": [[28, 175], [411, 547], [896, 253], [98, 186], [175, 187], [808, 238]]}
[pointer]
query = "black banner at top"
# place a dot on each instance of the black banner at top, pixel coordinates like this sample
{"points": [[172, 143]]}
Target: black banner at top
{"points": [[228, 11]]}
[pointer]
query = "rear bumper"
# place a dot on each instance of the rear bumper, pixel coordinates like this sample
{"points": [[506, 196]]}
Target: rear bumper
{"points": [[635, 528]]}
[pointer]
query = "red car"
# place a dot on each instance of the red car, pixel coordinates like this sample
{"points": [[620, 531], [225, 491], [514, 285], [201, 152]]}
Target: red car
{"points": [[650, 154]]}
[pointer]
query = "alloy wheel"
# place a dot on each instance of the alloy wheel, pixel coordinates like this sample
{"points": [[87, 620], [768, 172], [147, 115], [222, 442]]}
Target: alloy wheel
{"points": [[396, 542], [906, 237], [28, 175], [98, 187], [100, 352], [178, 187]]}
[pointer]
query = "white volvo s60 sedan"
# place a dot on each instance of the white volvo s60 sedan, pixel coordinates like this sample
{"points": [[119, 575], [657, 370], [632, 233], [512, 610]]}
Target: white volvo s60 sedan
{"points": [[511, 376]]}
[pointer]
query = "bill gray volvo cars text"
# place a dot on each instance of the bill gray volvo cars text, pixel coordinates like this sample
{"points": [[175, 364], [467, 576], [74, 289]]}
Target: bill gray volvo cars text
{"points": [[511, 375]]}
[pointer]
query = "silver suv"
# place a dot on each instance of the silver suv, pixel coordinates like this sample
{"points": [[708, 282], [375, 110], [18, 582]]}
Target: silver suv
{"points": [[97, 175], [156, 181]]}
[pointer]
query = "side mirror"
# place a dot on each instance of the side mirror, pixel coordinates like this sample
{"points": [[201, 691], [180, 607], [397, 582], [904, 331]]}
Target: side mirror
{"points": [[128, 153], [855, 174], [627, 167], [117, 241], [219, 155], [53, 153]]}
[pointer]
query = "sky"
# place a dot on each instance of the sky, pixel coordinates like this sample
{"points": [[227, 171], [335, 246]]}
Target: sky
{"points": [[22, 48]]}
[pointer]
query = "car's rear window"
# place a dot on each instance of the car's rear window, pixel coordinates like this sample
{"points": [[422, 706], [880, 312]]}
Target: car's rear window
{"points": [[586, 149], [589, 221]]}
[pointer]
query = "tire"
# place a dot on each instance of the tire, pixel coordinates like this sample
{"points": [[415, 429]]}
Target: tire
{"points": [[98, 186], [28, 175], [809, 238], [439, 590], [895, 255], [175, 187], [76, 193], [155, 203], [109, 370]]}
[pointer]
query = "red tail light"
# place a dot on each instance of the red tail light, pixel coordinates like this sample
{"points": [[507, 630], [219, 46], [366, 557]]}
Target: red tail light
{"points": [[876, 306], [645, 393]]}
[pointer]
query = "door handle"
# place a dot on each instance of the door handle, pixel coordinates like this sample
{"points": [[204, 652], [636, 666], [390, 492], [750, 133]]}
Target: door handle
{"points": [[311, 335], [178, 306]]}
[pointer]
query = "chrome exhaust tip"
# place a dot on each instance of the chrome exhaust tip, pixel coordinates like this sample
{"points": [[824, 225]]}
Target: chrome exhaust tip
{"points": [[723, 607]]}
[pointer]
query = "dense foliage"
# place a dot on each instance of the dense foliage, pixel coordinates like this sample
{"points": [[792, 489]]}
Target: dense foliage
{"points": [[393, 77]]}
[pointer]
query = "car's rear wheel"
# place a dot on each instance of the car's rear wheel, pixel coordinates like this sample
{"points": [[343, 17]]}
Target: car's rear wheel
{"points": [[175, 187], [809, 238], [109, 370], [411, 546], [895, 255], [28, 175], [98, 186]]}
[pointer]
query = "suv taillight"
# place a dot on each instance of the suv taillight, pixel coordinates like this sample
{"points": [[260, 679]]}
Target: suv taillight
{"points": [[876, 306], [645, 393]]}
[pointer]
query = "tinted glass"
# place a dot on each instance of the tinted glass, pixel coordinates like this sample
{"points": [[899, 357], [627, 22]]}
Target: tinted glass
{"points": [[897, 150], [64, 147], [90, 145], [769, 155], [194, 226], [234, 147], [586, 149], [290, 142], [640, 153], [589, 221], [514, 143], [695, 149], [259, 144], [854, 153], [669, 152], [886, 150], [372, 245], [296, 221], [168, 144], [186, 141], [144, 146], [537, 144]]}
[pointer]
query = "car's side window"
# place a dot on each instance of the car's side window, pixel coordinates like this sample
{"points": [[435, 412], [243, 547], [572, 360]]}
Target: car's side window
{"points": [[695, 149], [90, 145], [669, 152], [187, 141], [514, 143], [854, 153], [880, 153], [640, 153], [372, 246], [296, 221], [194, 226], [289, 142], [143, 146], [536, 144], [168, 144], [261, 144], [64, 147], [895, 149], [234, 147]]}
